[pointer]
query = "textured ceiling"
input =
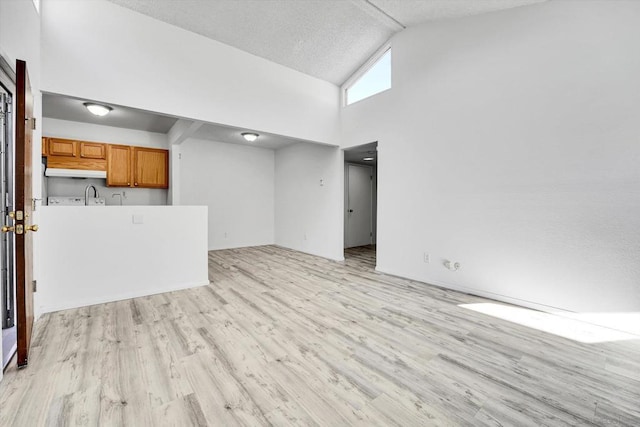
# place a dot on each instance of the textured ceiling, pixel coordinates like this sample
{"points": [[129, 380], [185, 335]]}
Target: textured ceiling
{"points": [[68, 108], [328, 39]]}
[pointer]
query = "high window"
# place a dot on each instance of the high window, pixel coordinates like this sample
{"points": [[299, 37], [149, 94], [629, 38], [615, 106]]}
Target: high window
{"points": [[375, 79]]}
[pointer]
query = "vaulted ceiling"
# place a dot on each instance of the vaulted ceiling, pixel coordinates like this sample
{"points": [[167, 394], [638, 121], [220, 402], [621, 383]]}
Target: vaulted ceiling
{"points": [[328, 39]]}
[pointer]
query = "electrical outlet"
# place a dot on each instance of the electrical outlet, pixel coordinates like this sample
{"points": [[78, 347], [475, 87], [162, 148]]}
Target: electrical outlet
{"points": [[451, 265], [305, 236], [426, 258]]}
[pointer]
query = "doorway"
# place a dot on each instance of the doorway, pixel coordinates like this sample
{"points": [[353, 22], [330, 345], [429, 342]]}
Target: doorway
{"points": [[360, 218], [7, 240]]}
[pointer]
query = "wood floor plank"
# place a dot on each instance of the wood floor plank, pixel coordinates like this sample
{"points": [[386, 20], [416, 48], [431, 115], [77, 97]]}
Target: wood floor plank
{"points": [[284, 338]]}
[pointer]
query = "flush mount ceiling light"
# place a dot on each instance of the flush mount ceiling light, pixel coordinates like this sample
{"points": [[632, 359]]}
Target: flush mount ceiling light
{"points": [[250, 136], [97, 109], [368, 159]]}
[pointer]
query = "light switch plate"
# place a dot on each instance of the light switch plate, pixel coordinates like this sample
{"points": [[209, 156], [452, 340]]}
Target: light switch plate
{"points": [[138, 219]]}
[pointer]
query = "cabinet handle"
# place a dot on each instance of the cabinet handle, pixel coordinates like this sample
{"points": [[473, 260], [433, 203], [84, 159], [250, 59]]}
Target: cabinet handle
{"points": [[128, 183], [135, 183]]}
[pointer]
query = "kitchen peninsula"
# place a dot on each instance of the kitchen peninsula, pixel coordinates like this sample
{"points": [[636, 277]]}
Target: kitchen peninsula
{"points": [[117, 252]]}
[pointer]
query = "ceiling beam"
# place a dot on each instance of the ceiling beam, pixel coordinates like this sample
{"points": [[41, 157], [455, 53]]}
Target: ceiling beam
{"points": [[379, 14], [182, 130]]}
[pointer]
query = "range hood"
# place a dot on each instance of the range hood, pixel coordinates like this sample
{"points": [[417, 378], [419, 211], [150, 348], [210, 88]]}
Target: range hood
{"points": [[75, 173]]}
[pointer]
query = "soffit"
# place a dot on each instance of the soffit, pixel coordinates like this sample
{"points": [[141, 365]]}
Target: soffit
{"points": [[233, 135], [69, 108], [72, 109]]}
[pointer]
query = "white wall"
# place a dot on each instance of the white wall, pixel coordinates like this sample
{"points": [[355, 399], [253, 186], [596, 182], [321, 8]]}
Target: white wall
{"points": [[155, 66], [308, 199], [236, 182], [20, 39], [509, 143], [99, 133], [55, 186], [106, 257]]}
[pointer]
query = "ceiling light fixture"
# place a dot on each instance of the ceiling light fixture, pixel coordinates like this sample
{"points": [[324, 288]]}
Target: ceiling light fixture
{"points": [[97, 109], [250, 136], [368, 159]]}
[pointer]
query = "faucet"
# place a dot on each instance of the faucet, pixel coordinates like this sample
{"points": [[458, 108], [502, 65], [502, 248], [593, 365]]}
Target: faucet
{"points": [[86, 194]]}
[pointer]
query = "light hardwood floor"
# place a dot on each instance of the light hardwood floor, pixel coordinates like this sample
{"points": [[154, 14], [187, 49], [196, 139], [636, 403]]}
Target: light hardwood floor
{"points": [[285, 338]]}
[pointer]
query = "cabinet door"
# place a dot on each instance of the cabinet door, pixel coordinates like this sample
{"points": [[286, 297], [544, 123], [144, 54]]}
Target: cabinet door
{"points": [[92, 150], [151, 168], [44, 146], [118, 166], [62, 147]]}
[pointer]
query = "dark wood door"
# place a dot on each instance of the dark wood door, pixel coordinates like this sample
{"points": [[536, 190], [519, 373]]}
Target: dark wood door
{"points": [[22, 214]]}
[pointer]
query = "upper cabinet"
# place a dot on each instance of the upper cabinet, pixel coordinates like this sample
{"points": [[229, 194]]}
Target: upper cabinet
{"points": [[62, 147], [118, 166], [126, 166], [93, 150], [138, 167], [70, 154], [150, 167]]}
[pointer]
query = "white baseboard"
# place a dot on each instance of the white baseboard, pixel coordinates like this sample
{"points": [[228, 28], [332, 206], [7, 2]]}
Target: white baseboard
{"points": [[481, 293], [112, 298], [311, 253]]}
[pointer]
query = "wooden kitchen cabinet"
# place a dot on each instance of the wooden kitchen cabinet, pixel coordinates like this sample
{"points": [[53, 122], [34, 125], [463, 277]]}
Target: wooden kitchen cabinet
{"points": [[126, 166], [137, 167], [150, 168], [92, 150], [119, 165], [62, 147], [71, 154]]}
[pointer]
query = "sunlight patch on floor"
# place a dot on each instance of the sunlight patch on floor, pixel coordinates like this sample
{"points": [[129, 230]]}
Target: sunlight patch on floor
{"points": [[572, 328], [626, 322]]}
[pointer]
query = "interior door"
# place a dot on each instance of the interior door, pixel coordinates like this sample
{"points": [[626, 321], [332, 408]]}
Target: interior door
{"points": [[25, 123], [359, 206]]}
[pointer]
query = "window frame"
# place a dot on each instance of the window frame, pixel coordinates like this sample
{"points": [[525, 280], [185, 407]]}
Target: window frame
{"points": [[364, 69]]}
